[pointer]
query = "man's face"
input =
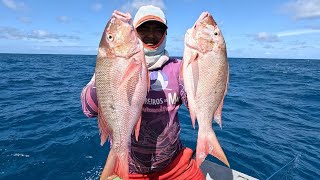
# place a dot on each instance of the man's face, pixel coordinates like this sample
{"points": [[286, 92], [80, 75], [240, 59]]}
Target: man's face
{"points": [[151, 32]]}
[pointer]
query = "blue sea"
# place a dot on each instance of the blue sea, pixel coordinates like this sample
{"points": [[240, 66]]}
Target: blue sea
{"points": [[271, 118]]}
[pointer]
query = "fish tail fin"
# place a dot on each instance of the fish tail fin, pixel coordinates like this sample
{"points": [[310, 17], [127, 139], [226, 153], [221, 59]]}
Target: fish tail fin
{"points": [[111, 165], [123, 166], [208, 144], [116, 164]]}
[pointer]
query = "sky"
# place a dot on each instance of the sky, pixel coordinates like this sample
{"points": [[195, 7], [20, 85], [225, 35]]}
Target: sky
{"points": [[251, 28]]}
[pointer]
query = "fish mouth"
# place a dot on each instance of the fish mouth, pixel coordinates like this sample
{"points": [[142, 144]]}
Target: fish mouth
{"points": [[132, 41], [201, 31], [125, 17], [206, 18], [189, 42]]}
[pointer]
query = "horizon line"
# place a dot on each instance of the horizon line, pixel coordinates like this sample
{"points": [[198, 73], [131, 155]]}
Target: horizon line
{"points": [[170, 56]]}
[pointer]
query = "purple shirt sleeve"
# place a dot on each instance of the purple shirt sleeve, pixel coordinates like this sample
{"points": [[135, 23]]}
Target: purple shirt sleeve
{"points": [[183, 93], [89, 99]]}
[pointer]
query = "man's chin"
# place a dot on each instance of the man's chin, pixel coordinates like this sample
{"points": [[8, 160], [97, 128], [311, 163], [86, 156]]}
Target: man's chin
{"points": [[150, 44]]}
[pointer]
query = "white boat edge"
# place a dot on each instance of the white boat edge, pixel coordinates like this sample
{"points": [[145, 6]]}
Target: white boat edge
{"points": [[217, 172]]}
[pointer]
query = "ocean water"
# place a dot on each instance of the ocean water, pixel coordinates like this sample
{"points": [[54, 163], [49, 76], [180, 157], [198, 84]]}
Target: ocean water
{"points": [[271, 116]]}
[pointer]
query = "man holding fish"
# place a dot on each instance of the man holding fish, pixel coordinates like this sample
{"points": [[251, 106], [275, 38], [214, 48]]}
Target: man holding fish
{"points": [[137, 89]]}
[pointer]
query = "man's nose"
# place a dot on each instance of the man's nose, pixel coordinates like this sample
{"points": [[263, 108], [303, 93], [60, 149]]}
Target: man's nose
{"points": [[150, 34]]}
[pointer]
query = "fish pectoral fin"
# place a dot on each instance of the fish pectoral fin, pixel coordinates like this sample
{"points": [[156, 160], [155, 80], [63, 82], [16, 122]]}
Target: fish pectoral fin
{"points": [[208, 143], [195, 71], [132, 68], [193, 58], [103, 127]]}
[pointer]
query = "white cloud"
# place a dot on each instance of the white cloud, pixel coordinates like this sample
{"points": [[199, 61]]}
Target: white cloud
{"points": [[275, 37], [13, 5], [96, 7], [298, 32], [25, 20], [63, 19], [266, 37], [12, 33], [303, 9], [268, 46], [136, 4], [177, 38]]}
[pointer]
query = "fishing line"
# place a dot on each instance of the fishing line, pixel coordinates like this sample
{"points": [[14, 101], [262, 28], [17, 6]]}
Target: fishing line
{"points": [[294, 161]]}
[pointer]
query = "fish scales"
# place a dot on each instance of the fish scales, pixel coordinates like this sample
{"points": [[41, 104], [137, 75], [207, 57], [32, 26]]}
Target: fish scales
{"points": [[205, 73], [121, 78]]}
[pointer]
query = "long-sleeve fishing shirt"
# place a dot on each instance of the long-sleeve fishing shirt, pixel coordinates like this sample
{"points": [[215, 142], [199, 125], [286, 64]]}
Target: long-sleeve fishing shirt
{"points": [[159, 137]]}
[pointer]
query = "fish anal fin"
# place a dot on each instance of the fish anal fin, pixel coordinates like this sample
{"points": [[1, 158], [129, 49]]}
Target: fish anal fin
{"points": [[137, 128], [193, 117], [148, 80], [103, 127], [218, 113], [181, 71], [208, 143]]}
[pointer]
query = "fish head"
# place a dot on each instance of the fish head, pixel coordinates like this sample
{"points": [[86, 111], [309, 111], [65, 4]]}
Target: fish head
{"points": [[119, 38], [205, 34]]}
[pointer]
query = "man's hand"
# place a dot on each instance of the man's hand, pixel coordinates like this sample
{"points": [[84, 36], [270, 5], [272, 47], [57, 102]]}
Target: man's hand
{"points": [[113, 177]]}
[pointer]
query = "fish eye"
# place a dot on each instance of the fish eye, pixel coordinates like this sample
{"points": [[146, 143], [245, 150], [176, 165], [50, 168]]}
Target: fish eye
{"points": [[110, 37]]}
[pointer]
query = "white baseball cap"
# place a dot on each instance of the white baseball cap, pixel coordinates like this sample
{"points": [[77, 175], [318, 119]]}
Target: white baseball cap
{"points": [[149, 13]]}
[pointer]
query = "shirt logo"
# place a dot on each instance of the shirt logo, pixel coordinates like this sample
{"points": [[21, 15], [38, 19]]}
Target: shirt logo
{"points": [[158, 81]]}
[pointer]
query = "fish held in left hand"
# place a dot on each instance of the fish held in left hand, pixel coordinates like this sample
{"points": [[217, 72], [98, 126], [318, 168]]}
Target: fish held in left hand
{"points": [[205, 73], [121, 77]]}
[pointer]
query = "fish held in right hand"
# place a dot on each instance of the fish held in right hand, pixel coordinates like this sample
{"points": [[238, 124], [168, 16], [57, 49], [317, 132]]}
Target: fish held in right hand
{"points": [[121, 77]]}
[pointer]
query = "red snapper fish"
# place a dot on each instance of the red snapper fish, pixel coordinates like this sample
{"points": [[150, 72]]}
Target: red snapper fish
{"points": [[205, 73], [121, 77]]}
